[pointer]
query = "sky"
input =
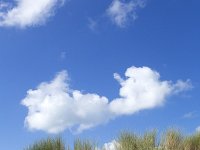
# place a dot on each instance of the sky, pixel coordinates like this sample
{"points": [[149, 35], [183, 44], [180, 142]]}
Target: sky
{"points": [[91, 69]]}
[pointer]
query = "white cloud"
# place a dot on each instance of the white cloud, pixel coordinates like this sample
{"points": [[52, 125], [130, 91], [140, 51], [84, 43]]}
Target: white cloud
{"points": [[142, 89], [198, 129], [121, 12], [111, 145], [54, 107], [28, 12]]}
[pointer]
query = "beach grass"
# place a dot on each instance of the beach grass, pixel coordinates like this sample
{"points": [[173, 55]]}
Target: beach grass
{"points": [[172, 139]]}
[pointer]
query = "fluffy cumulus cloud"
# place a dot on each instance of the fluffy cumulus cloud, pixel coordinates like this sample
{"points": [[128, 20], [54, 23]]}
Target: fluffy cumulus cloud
{"points": [[121, 12], [27, 12], [143, 89], [54, 107], [111, 145]]}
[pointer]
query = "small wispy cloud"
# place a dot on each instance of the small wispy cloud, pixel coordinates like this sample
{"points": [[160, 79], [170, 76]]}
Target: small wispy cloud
{"points": [[92, 24], [190, 115], [54, 107], [4, 5], [121, 12], [181, 86], [25, 13], [63, 55]]}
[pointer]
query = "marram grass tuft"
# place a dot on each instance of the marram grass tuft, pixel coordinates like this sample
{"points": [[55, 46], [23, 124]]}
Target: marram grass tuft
{"points": [[171, 140]]}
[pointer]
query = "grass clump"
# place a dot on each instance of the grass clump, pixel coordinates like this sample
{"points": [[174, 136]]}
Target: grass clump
{"points": [[130, 141], [192, 142], [171, 140], [148, 141], [48, 144], [84, 145]]}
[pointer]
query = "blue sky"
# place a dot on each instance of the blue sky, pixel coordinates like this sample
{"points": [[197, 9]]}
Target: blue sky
{"points": [[86, 42]]}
